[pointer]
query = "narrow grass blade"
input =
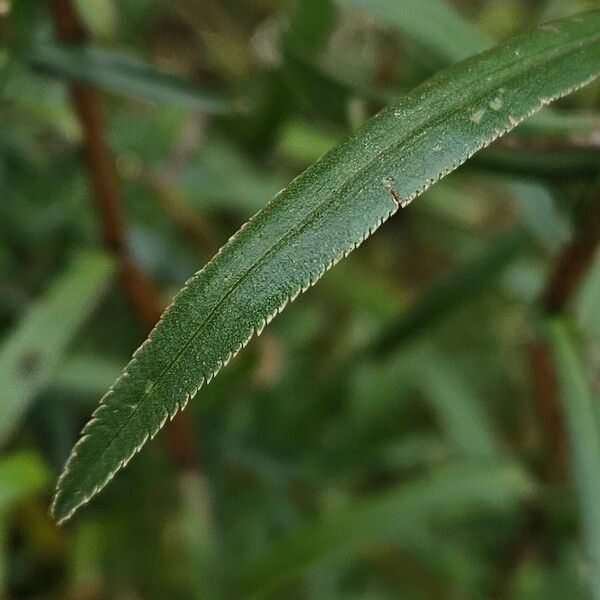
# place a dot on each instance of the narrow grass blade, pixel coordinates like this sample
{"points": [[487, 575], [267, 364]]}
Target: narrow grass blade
{"points": [[587, 301], [540, 214], [433, 23], [556, 164], [437, 26], [122, 74], [31, 354], [457, 407], [581, 406], [564, 123], [449, 292], [321, 217], [397, 516]]}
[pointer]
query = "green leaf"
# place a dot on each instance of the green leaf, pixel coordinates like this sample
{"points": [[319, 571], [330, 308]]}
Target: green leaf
{"points": [[587, 301], [323, 78], [86, 374], [402, 515], [32, 353], [550, 164], [580, 406], [21, 473], [208, 184], [122, 74], [457, 406], [305, 142], [450, 292], [433, 23], [540, 214], [321, 217], [437, 26], [564, 123]]}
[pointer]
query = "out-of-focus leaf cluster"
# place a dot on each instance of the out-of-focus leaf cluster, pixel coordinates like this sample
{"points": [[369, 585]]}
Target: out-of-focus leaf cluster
{"points": [[380, 440]]}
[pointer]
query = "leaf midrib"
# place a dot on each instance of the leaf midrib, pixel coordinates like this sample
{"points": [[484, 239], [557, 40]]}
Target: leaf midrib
{"points": [[309, 217], [558, 52]]}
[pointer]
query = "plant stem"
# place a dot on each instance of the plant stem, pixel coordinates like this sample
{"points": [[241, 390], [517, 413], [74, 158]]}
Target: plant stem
{"points": [[163, 182], [573, 264], [548, 408], [143, 296], [568, 272], [140, 291]]}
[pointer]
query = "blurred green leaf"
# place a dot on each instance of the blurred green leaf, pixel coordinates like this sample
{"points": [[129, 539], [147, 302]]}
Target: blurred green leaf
{"points": [[587, 301], [311, 24], [40, 105], [562, 123], [365, 295], [209, 184], [581, 412], [100, 16], [540, 214], [437, 26], [563, 580], [33, 351], [198, 536], [87, 547], [450, 291], [397, 516], [449, 203], [86, 374], [304, 142], [21, 473], [433, 23], [320, 218], [318, 86], [415, 451], [549, 163], [555, 9], [122, 74], [456, 405]]}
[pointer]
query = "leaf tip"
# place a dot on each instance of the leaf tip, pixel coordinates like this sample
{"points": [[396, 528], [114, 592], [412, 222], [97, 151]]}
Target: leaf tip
{"points": [[68, 496], [61, 510]]}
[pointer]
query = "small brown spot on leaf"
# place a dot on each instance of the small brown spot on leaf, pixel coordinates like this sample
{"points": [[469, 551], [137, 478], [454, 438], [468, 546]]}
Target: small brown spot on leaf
{"points": [[389, 183]]}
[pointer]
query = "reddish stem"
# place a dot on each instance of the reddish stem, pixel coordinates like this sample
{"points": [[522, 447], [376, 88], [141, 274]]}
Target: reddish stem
{"points": [[139, 289]]}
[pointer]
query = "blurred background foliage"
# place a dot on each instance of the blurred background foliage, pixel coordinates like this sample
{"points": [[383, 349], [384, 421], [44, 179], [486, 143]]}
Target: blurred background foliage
{"points": [[423, 424]]}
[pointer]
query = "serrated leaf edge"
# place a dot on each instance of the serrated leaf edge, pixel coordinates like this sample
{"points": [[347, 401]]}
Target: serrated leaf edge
{"points": [[258, 329]]}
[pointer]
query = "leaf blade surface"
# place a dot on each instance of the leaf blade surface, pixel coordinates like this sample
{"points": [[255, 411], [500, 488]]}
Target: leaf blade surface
{"points": [[580, 408], [123, 74], [400, 515], [31, 354], [433, 23], [322, 216]]}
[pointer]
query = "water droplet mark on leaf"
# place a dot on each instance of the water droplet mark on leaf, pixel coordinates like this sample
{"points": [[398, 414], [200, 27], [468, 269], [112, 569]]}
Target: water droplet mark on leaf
{"points": [[477, 116], [496, 104]]}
